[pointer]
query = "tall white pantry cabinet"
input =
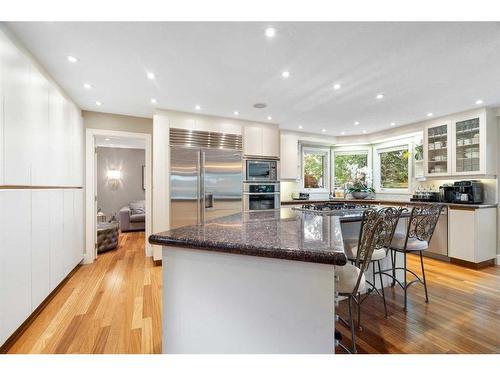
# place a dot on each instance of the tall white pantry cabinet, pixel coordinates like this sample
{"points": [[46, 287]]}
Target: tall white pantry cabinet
{"points": [[41, 186]]}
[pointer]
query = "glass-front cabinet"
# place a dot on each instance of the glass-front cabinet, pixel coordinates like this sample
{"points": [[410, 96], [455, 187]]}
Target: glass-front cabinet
{"points": [[467, 146], [437, 149], [461, 145]]}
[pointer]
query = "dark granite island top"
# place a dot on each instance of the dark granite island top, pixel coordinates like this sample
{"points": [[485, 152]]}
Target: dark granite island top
{"points": [[284, 234]]}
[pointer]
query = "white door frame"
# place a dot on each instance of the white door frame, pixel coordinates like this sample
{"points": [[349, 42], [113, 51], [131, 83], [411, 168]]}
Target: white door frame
{"points": [[90, 191]]}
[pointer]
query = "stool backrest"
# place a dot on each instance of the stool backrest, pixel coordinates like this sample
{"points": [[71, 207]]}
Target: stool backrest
{"points": [[422, 222], [372, 225]]}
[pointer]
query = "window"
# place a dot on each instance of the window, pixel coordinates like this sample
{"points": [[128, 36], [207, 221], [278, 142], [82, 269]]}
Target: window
{"points": [[394, 171], [315, 167], [344, 162]]}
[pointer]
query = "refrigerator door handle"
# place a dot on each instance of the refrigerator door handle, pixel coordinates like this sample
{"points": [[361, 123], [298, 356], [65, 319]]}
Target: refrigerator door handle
{"points": [[199, 188], [202, 190]]}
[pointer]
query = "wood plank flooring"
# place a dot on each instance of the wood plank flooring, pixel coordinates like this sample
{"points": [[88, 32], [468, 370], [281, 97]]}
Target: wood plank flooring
{"points": [[114, 306], [463, 315], [110, 306]]}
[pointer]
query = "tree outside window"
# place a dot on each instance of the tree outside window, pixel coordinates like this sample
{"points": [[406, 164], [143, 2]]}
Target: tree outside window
{"points": [[344, 164], [394, 169], [315, 170]]}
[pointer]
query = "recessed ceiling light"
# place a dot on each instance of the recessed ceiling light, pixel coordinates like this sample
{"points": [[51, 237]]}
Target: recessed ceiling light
{"points": [[285, 74], [337, 86], [88, 86], [301, 127], [98, 103], [154, 101], [197, 107], [323, 130], [356, 123], [236, 113], [364, 131], [479, 102], [393, 124], [343, 133], [107, 139], [260, 105], [270, 32], [430, 114], [380, 96], [150, 75], [72, 59], [269, 118]]}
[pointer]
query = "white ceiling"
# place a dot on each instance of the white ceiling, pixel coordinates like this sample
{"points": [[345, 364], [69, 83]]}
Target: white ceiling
{"points": [[119, 142], [420, 67]]}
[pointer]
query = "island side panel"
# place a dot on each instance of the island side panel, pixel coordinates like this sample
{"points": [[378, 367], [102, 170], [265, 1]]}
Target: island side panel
{"points": [[228, 303]]}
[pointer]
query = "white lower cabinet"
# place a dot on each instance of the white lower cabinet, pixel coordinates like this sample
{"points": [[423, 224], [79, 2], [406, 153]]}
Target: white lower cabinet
{"points": [[41, 241], [472, 234], [40, 246], [15, 259]]}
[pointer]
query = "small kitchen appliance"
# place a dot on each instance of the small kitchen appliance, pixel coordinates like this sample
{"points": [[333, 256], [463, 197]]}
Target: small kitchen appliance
{"points": [[469, 191]]}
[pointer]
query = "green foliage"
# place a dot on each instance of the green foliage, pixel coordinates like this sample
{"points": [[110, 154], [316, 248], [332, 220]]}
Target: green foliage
{"points": [[394, 169], [342, 164], [314, 169]]}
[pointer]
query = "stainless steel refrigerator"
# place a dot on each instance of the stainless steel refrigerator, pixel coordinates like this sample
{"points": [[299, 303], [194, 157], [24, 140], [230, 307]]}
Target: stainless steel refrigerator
{"points": [[204, 184]]}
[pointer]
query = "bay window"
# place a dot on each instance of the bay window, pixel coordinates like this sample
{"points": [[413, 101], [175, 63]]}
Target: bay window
{"points": [[392, 168], [344, 162]]}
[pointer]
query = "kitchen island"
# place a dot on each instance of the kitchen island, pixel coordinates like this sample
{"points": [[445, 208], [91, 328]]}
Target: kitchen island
{"points": [[260, 282]]}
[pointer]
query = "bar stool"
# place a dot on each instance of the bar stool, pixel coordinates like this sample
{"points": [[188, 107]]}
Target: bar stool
{"points": [[351, 277], [419, 231], [390, 216]]}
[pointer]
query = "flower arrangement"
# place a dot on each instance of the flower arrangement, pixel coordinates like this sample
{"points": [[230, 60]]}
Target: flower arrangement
{"points": [[361, 181]]}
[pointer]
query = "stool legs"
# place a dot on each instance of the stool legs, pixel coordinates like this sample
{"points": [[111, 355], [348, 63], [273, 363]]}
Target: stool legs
{"points": [[351, 325], [423, 277], [381, 285], [405, 283]]}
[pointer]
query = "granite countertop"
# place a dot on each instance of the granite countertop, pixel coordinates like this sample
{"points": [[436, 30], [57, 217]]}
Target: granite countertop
{"points": [[389, 202], [283, 234]]}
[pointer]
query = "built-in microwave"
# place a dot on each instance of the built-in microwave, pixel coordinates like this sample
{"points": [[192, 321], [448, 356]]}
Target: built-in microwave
{"points": [[258, 197], [261, 170]]}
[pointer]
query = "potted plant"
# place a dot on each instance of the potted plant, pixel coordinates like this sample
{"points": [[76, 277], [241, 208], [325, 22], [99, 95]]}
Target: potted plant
{"points": [[360, 185]]}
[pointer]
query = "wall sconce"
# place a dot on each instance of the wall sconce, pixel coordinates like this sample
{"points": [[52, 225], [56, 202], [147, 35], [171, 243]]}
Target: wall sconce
{"points": [[114, 174], [114, 177]]}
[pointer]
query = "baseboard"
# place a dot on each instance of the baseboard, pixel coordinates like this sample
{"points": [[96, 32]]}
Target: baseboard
{"points": [[476, 266]]}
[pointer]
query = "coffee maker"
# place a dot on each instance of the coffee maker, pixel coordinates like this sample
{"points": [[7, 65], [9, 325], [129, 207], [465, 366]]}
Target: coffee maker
{"points": [[447, 193], [468, 192]]}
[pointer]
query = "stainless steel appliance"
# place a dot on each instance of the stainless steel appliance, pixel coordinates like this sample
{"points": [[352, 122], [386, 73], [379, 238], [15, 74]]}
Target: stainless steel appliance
{"points": [[261, 170], [261, 196], [205, 179], [446, 193], [468, 192]]}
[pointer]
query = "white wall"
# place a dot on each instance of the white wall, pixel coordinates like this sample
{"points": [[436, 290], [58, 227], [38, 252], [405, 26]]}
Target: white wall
{"points": [[41, 184]]}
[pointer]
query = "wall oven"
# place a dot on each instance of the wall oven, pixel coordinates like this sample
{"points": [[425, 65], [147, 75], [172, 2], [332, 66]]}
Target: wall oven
{"points": [[261, 170], [261, 196]]}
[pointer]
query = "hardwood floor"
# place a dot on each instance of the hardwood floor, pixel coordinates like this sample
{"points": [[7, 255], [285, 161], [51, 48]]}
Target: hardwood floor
{"points": [[110, 306], [463, 315], [114, 306]]}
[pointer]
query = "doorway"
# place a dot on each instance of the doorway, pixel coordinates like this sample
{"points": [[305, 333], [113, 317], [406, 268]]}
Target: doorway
{"points": [[118, 189]]}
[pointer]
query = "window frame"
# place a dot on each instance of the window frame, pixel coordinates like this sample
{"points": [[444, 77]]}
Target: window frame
{"points": [[351, 150], [316, 149], [387, 147]]}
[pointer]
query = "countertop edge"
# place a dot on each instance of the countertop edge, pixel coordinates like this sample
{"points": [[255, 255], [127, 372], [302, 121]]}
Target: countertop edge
{"points": [[336, 258], [390, 201]]}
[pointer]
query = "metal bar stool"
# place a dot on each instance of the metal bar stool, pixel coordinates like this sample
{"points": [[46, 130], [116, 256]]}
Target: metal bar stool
{"points": [[351, 277], [419, 231], [390, 216]]}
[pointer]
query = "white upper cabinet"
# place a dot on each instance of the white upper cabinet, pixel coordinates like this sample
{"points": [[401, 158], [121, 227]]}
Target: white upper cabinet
{"points": [[18, 117], [437, 149], [41, 131], [39, 102], [464, 144], [261, 140], [289, 157]]}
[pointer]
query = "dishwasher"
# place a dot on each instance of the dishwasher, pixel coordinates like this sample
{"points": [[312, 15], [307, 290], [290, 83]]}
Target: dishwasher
{"points": [[438, 248]]}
